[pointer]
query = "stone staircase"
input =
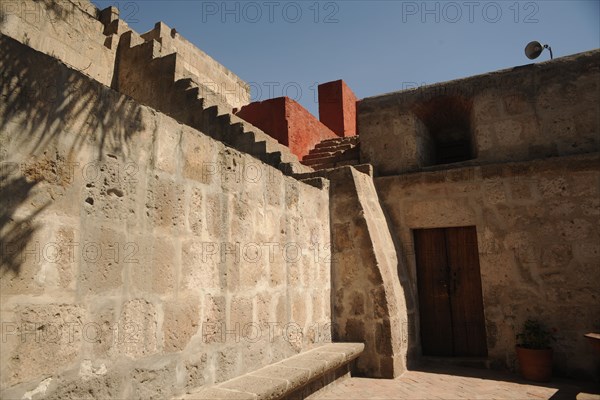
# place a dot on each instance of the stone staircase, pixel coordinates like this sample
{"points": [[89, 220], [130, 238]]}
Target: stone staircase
{"points": [[331, 153], [148, 76]]}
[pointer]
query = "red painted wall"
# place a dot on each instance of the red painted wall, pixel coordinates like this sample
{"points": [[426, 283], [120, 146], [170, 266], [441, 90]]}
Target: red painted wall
{"points": [[287, 121], [305, 131], [337, 107], [292, 125], [269, 116]]}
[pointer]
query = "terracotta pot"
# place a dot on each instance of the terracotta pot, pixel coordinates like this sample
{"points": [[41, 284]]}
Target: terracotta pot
{"points": [[536, 365]]}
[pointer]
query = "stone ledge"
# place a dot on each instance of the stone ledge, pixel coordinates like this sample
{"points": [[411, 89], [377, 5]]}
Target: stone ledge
{"points": [[283, 378]]}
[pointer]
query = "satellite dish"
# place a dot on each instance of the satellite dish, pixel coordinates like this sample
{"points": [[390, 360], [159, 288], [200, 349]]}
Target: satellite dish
{"points": [[535, 48]]}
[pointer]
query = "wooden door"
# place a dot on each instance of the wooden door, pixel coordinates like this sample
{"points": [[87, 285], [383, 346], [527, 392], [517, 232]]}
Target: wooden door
{"points": [[450, 298]]}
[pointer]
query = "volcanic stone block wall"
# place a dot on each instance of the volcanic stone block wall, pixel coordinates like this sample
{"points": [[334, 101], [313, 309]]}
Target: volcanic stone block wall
{"points": [[205, 70], [534, 111], [141, 258], [71, 31], [528, 183], [370, 306], [538, 232], [68, 30]]}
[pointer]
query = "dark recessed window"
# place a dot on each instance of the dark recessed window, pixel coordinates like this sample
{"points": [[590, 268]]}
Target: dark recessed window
{"points": [[447, 121]]}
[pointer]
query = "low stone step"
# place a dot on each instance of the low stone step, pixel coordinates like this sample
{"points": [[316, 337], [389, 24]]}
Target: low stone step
{"points": [[337, 141], [332, 148], [318, 161], [325, 160], [347, 162], [293, 168], [320, 167], [347, 155], [319, 155]]}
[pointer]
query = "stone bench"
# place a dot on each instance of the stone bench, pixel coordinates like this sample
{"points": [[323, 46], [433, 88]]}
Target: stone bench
{"points": [[295, 377]]}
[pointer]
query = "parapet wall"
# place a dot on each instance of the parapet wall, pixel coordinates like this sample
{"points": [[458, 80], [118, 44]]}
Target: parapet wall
{"points": [[83, 37], [141, 258], [67, 30], [213, 76], [534, 111]]}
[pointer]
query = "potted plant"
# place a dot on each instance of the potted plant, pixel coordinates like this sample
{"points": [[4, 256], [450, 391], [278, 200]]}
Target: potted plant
{"points": [[534, 352]]}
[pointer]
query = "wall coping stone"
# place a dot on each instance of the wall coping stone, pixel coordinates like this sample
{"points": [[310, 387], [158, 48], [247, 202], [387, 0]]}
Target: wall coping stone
{"points": [[282, 378]]}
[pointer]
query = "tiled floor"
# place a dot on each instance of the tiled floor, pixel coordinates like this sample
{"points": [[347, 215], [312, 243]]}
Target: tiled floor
{"points": [[457, 383]]}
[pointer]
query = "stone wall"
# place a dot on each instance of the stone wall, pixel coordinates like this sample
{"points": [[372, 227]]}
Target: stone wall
{"points": [[538, 231], [68, 30], [196, 64], [533, 111], [81, 36], [140, 257], [370, 306]]}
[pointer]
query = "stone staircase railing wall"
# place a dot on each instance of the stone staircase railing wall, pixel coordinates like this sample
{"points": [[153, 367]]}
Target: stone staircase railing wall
{"points": [[194, 63], [369, 304], [148, 76]]}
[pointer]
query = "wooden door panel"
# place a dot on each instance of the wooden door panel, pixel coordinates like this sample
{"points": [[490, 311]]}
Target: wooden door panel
{"points": [[468, 325], [450, 295], [434, 302]]}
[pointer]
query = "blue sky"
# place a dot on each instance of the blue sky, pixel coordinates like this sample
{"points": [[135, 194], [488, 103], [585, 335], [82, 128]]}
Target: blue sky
{"points": [[286, 47]]}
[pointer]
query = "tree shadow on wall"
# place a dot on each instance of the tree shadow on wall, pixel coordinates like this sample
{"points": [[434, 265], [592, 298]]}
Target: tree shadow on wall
{"points": [[14, 234], [50, 113]]}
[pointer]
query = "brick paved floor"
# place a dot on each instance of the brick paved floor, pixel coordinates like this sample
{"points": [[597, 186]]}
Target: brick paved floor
{"points": [[457, 383]]}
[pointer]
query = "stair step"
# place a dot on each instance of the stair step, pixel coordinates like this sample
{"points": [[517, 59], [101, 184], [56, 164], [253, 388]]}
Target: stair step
{"points": [[320, 167], [332, 148], [347, 153], [330, 160], [272, 159], [352, 154], [318, 161], [347, 162], [198, 106], [192, 93], [319, 155], [185, 84], [293, 168], [259, 148], [337, 141]]}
